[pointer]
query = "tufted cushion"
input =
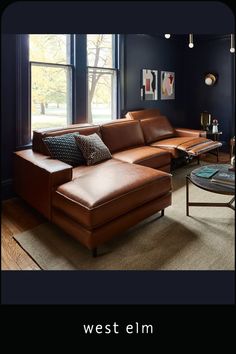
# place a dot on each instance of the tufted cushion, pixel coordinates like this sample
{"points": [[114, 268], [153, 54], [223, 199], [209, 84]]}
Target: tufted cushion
{"points": [[93, 148], [64, 148]]}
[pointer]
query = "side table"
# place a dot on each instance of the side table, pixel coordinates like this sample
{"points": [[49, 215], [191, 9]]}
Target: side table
{"points": [[215, 137], [207, 185]]}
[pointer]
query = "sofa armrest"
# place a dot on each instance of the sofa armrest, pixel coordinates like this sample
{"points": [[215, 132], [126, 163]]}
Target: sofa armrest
{"points": [[190, 132], [36, 176]]}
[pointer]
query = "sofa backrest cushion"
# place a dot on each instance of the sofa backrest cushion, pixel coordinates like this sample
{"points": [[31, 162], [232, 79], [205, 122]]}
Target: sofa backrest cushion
{"points": [[38, 135], [156, 129], [122, 135], [142, 114]]}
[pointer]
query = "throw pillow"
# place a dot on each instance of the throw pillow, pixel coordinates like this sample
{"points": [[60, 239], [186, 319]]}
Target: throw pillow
{"points": [[64, 148], [93, 148]]}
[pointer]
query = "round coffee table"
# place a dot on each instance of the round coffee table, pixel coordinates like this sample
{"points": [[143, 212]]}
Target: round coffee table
{"points": [[206, 184]]}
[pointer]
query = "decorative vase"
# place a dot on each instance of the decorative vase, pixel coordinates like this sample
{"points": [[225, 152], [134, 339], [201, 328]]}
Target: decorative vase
{"points": [[205, 120], [233, 162], [215, 129]]}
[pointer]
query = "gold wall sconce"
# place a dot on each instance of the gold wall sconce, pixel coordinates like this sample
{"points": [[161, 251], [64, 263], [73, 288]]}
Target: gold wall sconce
{"points": [[210, 79]]}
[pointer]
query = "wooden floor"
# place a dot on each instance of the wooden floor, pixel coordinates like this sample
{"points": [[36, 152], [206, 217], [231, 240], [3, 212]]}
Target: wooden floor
{"points": [[17, 217]]}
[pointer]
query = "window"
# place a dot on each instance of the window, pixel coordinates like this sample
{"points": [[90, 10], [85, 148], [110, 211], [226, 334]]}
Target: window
{"points": [[102, 77], [51, 80], [66, 79]]}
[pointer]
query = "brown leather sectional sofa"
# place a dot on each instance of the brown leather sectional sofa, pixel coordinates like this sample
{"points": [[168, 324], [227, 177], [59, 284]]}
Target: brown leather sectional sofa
{"points": [[95, 203]]}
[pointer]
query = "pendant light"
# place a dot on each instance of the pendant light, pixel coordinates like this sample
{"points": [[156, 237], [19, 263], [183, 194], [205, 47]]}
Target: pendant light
{"points": [[167, 36], [232, 44], [191, 45]]}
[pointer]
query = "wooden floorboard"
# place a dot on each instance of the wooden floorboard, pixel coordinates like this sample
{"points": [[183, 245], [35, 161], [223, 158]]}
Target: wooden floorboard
{"points": [[18, 216], [16, 252], [8, 261]]}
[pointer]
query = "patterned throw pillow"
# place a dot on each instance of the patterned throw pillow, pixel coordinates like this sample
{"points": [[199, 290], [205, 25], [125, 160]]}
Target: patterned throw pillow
{"points": [[64, 148], [93, 148]]}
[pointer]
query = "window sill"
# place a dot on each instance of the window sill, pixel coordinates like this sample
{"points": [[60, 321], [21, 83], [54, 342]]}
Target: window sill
{"points": [[24, 147]]}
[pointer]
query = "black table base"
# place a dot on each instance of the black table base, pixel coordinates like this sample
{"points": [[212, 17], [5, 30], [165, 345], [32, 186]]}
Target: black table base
{"points": [[198, 204]]}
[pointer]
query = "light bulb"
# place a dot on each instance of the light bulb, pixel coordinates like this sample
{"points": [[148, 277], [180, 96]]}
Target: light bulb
{"points": [[232, 50], [167, 36], [191, 45], [208, 81]]}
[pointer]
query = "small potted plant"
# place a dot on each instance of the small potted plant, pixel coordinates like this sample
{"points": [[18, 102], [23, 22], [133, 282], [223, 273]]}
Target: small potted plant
{"points": [[214, 126]]}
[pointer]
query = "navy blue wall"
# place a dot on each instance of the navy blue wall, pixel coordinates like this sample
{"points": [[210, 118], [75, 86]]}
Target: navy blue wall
{"points": [[190, 66], [210, 56], [149, 52]]}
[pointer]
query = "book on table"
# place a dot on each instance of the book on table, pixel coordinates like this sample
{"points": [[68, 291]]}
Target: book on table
{"points": [[226, 178], [206, 172]]}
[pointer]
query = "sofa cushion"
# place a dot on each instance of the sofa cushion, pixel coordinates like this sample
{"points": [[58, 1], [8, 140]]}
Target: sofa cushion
{"points": [[172, 142], [93, 148], [171, 145], [145, 156], [83, 170], [156, 129], [109, 190], [120, 136], [64, 148], [144, 113], [173, 151]]}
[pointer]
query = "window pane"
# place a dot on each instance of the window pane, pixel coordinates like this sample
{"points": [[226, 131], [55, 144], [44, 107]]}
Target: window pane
{"points": [[50, 96], [99, 50], [50, 48], [101, 95]]}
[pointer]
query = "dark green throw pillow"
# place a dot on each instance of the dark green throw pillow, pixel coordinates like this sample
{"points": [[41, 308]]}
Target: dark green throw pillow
{"points": [[64, 148]]}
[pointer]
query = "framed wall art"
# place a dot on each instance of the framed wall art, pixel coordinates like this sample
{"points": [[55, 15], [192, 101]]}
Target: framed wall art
{"points": [[167, 85], [149, 85]]}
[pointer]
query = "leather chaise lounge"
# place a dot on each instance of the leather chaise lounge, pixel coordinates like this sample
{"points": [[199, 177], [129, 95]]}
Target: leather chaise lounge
{"points": [[95, 203]]}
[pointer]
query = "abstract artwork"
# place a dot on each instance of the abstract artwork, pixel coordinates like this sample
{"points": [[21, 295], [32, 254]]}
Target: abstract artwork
{"points": [[167, 85], [149, 85]]}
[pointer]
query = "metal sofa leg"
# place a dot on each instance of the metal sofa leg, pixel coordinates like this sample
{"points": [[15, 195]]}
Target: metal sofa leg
{"points": [[162, 212]]}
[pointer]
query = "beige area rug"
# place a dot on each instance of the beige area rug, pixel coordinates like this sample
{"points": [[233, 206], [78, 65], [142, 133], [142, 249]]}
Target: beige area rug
{"points": [[203, 241]]}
